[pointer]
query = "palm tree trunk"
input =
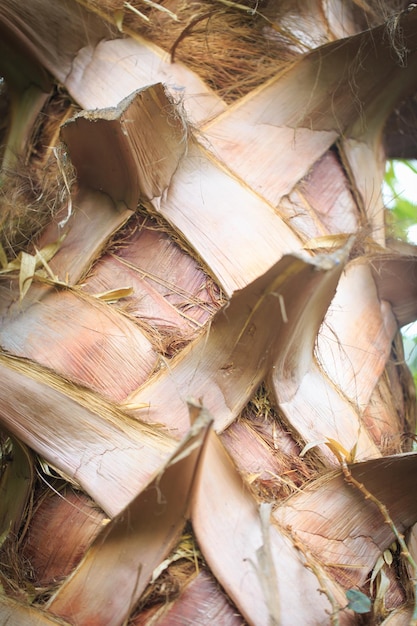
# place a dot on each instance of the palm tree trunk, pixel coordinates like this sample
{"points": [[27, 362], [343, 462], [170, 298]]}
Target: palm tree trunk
{"points": [[203, 377]]}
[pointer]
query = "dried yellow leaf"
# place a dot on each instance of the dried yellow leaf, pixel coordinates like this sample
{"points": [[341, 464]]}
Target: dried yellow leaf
{"points": [[45, 254], [27, 272], [382, 586], [376, 570], [388, 557], [3, 257], [27, 264], [327, 241], [309, 446], [118, 19], [338, 450], [113, 295], [12, 265], [135, 406]]}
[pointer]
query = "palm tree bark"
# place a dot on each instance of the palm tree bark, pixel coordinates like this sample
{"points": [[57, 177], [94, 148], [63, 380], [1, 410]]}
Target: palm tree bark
{"points": [[220, 264]]}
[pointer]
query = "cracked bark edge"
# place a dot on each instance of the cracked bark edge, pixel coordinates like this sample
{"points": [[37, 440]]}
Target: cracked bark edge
{"points": [[135, 542], [131, 151]]}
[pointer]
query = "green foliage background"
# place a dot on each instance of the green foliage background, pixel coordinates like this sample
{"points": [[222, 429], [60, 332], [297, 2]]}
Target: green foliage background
{"points": [[402, 216], [403, 212]]}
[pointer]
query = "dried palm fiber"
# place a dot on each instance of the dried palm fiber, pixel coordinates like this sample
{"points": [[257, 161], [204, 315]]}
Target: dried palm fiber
{"points": [[174, 310], [234, 50], [39, 182], [59, 507], [227, 48], [195, 605], [276, 470]]}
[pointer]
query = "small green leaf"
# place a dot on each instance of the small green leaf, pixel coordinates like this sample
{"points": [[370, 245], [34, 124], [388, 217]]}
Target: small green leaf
{"points": [[410, 165], [358, 601], [390, 177]]}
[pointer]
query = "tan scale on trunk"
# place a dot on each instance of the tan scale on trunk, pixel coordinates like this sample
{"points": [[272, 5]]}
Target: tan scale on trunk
{"points": [[205, 413]]}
